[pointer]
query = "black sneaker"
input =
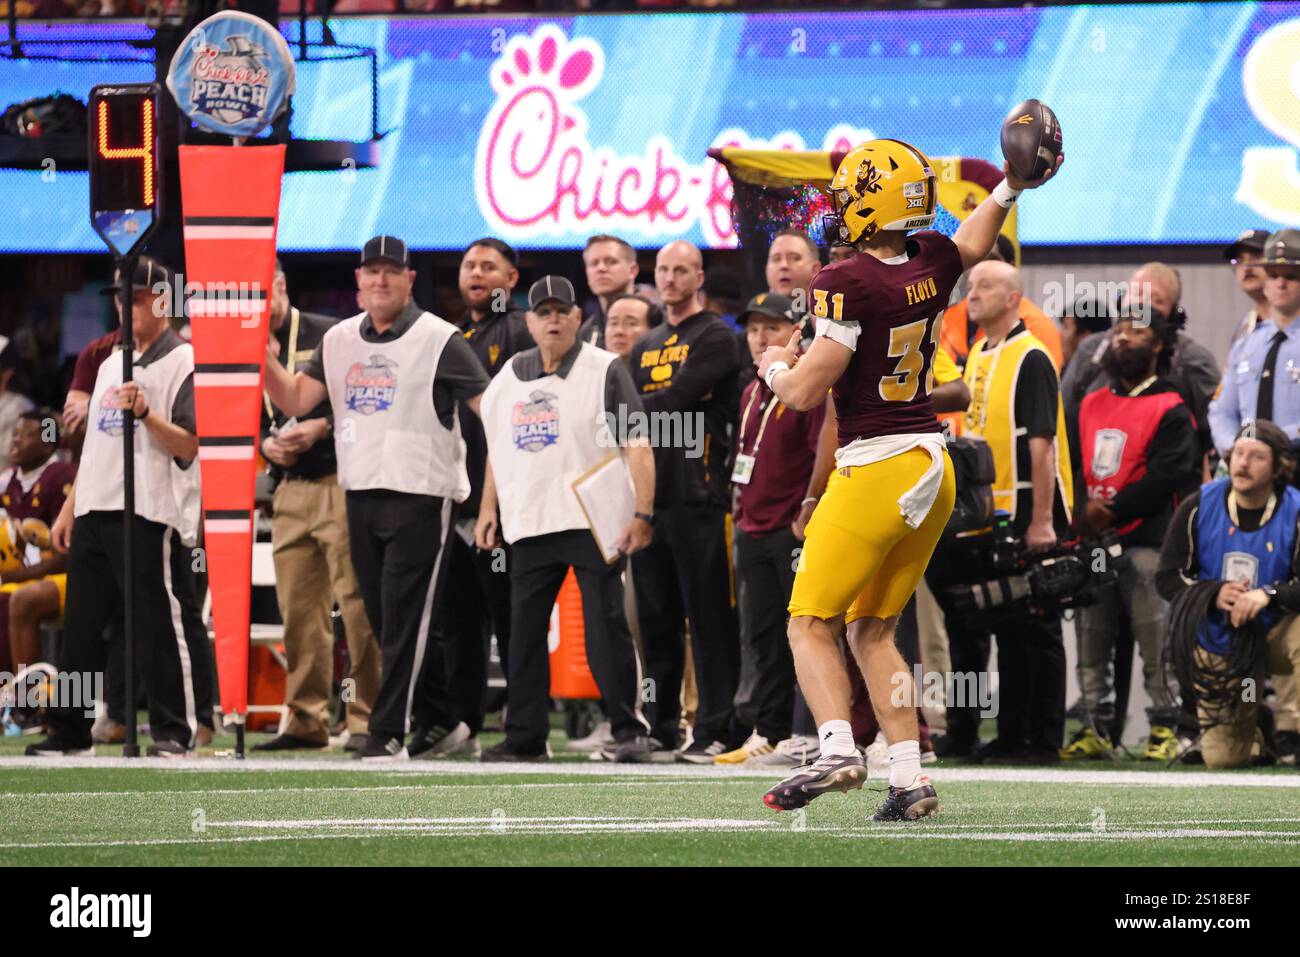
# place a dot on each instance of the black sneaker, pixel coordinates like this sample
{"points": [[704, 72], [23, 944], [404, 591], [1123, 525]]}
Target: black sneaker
{"points": [[829, 773], [996, 751], [382, 748], [634, 750], [356, 742], [31, 720], [909, 804], [290, 742], [53, 747], [1029, 758], [1287, 745], [505, 752], [426, 739], [947, 746], [702, 751], [660, 753], [167, 749]]}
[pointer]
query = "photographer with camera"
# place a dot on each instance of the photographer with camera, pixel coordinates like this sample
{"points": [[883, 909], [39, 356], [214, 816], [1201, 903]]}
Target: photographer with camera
{"points": [[1139, 453], [1230, 570], [1016, 408]]}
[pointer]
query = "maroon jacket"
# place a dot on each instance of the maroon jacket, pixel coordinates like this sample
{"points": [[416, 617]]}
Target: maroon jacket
{"points": [[784, 462]]}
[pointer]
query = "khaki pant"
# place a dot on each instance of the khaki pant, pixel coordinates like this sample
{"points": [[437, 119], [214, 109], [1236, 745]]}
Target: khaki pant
{"points": [[313, 571], [1232, 743], [934, 648]]}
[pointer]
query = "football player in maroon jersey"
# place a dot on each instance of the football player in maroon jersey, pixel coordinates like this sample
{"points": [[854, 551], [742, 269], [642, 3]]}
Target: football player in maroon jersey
{"points": [[878, 315]]}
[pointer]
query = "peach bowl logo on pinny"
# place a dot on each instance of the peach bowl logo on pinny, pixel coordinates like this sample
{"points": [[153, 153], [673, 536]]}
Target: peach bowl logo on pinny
{"points": [[109, 417], [371, 388]]}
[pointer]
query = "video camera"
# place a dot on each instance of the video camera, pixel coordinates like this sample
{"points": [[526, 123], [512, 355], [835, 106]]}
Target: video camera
{"points": [[1071, 575]]}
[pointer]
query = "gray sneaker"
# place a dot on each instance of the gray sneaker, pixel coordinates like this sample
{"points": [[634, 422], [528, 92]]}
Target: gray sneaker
{"points": [[634, 750], [107, 731], [459, 744], [441, 743], [599, 739], [790, 753]]}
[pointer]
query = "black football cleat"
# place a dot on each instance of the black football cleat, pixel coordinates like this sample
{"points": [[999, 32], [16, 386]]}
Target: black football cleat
{"points": [[829, 773], [909, 804]]}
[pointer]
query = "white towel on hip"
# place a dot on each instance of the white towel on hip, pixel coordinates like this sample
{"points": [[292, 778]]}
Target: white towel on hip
{"points": [[914, 504]]}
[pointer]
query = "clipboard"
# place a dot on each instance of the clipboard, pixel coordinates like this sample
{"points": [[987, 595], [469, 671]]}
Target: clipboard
{"points": [[608, 501]]}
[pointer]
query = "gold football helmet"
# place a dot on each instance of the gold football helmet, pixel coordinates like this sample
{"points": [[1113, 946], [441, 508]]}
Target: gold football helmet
{"points": [[883, 184]]}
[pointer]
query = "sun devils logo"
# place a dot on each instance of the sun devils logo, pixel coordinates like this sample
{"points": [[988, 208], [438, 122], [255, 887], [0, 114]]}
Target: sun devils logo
{"points": [[1108, 452], [868, 178], [371, 388]]}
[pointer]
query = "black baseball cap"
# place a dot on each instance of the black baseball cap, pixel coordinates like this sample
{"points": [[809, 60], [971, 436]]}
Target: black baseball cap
{"points": [[1282, 248], [148, 273], [1252, 240], [773, 305], [550, 288], [386, 247]]}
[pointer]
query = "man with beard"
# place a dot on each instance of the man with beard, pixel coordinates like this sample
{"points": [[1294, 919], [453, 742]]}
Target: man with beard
{"points": [[1140, 455], [1154, 287]]}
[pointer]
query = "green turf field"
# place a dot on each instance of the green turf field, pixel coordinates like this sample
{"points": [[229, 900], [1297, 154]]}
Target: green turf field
{"points": [[320, 809]]}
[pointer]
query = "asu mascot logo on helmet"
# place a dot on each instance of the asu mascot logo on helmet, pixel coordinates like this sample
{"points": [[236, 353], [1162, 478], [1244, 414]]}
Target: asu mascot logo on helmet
{"points": [[881, 185]]}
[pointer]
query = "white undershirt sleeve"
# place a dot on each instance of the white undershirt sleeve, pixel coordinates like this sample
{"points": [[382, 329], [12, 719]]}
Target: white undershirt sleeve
{"points": [[845, 333]]}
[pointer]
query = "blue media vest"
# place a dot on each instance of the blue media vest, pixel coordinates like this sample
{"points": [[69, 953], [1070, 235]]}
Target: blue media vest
{"points": [[1227, 553]]}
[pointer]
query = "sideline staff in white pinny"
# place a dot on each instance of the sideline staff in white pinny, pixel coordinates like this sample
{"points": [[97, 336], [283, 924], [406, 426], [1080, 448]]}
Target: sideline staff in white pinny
{"points": [[547, 416], [169, 636], [393, 376]]}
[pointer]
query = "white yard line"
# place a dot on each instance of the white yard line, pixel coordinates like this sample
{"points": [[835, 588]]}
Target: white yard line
{"points": [[478, 827], [679, 772], [924, 833], [523, 785]]}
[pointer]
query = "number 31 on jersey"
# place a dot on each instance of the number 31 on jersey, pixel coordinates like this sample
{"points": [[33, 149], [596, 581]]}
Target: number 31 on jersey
{"points": [[905, 345]]}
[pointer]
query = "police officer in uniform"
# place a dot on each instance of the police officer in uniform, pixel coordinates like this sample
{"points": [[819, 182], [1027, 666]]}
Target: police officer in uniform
{"points": [[393, 375]]}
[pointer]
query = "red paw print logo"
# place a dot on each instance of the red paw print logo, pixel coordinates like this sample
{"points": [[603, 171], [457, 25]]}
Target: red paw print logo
{"points": [[542, 75]]}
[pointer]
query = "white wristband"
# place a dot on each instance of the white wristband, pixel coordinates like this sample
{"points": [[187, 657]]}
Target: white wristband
{"points": [[775, 369], [1004, 195]]}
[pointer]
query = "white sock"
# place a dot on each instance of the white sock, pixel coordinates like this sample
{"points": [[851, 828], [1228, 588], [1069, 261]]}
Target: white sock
{"points": [[904, 763], [836, 739]]}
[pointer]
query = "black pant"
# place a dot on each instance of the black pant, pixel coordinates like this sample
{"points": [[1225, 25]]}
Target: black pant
{"points": [[1031, 664], [682, 575], [537, 570], [396, 540], [164, 634], [202, 666], [765, 578], [453, 683], [1031, 669]]}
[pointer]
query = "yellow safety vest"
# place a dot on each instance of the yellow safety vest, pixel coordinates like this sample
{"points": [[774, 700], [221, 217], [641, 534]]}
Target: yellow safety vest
{"points": [[991, 376]]}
